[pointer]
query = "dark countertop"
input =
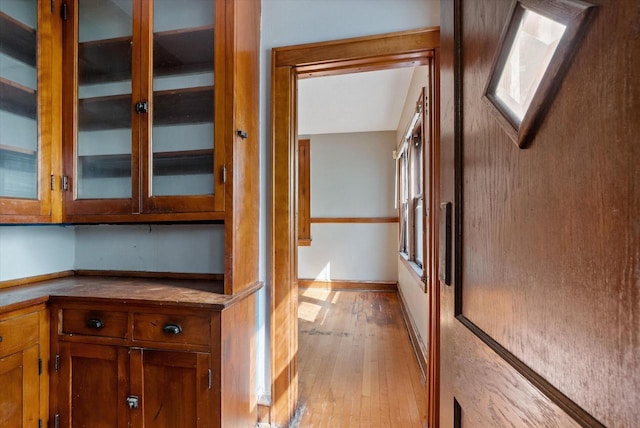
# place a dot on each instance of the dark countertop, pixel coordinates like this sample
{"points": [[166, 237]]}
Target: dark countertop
{"points": [[148, 291]]}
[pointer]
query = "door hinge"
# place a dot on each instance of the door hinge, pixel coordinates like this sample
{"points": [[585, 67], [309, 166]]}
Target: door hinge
{"points": [[52, 181], [39, 423], [56, 363], [64, 11], [65, 183], [56, 421], [210, 378], [39, 366], [53, 6], [224, 174]]}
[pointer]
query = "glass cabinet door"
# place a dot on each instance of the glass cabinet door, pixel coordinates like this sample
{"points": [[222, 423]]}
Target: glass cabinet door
{"points": [[103, 152], [19, 146], [182, 138]]}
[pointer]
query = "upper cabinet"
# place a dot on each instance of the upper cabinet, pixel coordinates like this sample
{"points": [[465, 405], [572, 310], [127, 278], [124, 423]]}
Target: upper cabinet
{"points": [[26, 133], [148, 88]]}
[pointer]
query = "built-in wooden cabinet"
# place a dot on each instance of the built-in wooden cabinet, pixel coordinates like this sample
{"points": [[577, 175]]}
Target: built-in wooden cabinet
{"points": [[26, 122], [128, 111], [140, 363], [143, 125], [23, 348]]}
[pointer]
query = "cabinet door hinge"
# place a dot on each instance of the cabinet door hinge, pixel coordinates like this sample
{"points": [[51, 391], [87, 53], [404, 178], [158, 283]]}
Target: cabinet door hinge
{"points": [[210, 378], [64, 11], [224, 174], [52, 181], [56, 421], [39, 366], [39, 423], [53, 6], [56, 363], [65, 183]]}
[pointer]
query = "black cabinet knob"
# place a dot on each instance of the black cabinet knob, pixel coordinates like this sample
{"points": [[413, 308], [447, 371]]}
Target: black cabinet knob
{"points": [[142, 107], [95, 323], [172, 329]]}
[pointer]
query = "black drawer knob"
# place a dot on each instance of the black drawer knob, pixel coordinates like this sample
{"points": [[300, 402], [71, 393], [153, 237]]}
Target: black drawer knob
{"points": [[172, 329], [95, 323]]}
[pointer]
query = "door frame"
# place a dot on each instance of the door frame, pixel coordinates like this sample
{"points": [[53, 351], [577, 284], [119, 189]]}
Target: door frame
{"points": [[369, 53]]}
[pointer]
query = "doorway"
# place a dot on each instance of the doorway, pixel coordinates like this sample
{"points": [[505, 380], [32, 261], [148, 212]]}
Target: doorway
{"points": [[405, 49]]}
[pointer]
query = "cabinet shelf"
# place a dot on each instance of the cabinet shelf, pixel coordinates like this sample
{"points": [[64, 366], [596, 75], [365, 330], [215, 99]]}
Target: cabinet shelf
{"points": [[109, 60], [18, 40], [17, 159], [186, 162], [176, 106], [17, 98]]}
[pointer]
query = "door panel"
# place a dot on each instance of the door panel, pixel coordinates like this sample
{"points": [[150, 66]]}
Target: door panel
{"points": [[19, 394], [93, 386], [540, 326], [175, 388]]}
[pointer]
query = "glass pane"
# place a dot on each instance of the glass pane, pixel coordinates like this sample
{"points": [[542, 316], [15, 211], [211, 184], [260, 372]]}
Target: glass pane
{"points": [[182, 134], [417, 230], [18, 99], [104, 99], [536, 40]]}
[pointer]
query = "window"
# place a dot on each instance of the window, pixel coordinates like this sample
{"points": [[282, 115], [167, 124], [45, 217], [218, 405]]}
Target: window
{"points": [[536, 47], [412, 183]]}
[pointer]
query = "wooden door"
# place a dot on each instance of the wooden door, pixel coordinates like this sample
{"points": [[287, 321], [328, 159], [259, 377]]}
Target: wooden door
{"points": [[92, 386], [540, 321], [19, 394], [174, 388]]}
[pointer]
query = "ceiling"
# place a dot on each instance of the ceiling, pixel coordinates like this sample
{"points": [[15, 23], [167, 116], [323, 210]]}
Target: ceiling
{"points": [[357, 102]]}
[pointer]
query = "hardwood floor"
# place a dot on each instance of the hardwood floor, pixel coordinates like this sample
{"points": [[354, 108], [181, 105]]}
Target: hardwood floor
{"points": [[355, 362]]}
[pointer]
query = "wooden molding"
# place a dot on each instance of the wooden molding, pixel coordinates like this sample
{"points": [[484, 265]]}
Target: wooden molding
{"points": [[304, 242], [142, 274], [36, 278], [419, 348], [304, 192], [354, 219], [349, 285], [409, 48]]}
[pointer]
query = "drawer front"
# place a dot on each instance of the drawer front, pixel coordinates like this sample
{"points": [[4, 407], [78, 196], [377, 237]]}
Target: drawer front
{"points": [[18, 333], [89, 322], [172, 328]]}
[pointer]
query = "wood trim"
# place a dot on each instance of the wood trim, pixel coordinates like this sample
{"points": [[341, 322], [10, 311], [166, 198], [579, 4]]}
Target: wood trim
{"points": [[419, 348], [547, 389], [288, 64], [144, 218], [349, 285], [141, 274], [36, 278], [354, 220], [304, 192]]}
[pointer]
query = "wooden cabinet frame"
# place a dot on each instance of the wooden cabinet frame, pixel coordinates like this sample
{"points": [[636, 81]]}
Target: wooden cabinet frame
{"points": [[409, 48]]}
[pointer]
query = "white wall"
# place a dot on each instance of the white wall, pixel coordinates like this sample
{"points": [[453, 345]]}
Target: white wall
{"points": [[151, 248], [352, 175], [290, 22], [35, 250]]}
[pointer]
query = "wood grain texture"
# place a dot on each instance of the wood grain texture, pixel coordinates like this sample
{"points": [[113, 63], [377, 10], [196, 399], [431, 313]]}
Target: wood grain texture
{"points": [[242, 154], [304, 192], [547, 236], [33, 279], [152, 291], [349, 285], [289, 64], [357, 367]]}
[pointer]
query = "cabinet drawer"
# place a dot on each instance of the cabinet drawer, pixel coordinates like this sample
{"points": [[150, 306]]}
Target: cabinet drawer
{"points": [[90, 322], [18, 333], [172, 328]]}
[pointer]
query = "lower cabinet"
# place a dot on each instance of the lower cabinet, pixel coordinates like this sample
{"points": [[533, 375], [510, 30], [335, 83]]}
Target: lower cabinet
{"points": [[117, 386], [122, 362], [23, 385]]}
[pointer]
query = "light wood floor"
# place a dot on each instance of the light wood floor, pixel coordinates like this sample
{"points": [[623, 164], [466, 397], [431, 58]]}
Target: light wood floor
{"points": [[356, 366]]}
